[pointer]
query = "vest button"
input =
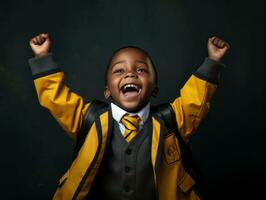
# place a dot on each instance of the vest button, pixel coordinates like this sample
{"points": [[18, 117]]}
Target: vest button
{"points": [[127, 169], [128, 151]]}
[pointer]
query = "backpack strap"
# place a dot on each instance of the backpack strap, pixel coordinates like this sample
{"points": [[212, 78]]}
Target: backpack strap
{"points": [[96, 107], [167, 114]]}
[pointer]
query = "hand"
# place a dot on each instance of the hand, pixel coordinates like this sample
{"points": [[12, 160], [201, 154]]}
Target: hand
{"points": [[40, 44], [217, 48]]}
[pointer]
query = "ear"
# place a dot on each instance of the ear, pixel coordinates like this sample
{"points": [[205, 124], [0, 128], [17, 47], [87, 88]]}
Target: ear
{"points": [[155, 91], [106, 92]]}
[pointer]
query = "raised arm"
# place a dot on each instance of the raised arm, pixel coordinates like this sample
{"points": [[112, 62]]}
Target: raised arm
{"points": [[194, 101], [67, 107]]}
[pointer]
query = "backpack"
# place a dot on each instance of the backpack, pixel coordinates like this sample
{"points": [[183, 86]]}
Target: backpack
{"points": [[166, 114]]}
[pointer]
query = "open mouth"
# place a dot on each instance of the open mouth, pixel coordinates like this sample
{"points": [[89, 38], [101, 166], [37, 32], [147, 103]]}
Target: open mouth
{"points": [[130, 89]]}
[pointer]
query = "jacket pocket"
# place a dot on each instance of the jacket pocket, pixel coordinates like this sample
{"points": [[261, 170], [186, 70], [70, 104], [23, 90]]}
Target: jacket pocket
{"points": [[63, 179], [186, 183], [171, 152]]}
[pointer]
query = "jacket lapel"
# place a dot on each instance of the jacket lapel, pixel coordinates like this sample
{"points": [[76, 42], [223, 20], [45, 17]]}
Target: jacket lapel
{"points": [[156, 145]]}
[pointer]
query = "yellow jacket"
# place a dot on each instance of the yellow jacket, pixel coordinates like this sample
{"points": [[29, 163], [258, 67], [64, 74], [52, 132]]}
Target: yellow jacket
{"points": [[68, 108]]}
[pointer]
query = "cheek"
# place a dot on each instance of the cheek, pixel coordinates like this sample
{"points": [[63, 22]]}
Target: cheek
{"points": [[114, 85], [148, 81]]}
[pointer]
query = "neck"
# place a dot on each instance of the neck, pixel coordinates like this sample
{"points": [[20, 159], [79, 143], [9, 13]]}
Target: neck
{"points": [[133, 110]]}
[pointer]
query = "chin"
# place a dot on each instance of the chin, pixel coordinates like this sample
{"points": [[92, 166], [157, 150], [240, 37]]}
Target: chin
{"points": [[132, 106]]}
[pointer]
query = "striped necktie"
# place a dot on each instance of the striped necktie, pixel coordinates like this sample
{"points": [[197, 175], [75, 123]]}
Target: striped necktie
{"points": [[131, 124]]}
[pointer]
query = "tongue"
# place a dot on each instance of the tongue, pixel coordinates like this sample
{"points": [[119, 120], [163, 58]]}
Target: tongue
{"points": [[131, 94]]}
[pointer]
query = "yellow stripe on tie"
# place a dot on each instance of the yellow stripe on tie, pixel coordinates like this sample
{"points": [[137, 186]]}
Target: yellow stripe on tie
{"points": [[131, 124]]}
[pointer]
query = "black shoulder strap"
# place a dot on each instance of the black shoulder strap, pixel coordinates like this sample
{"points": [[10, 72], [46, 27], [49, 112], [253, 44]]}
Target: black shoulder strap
{"points": [[96, 107], [167, 114]]}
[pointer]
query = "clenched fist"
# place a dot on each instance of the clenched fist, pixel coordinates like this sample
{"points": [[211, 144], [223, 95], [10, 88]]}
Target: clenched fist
{"points": [[40, 44], [217, 48]]}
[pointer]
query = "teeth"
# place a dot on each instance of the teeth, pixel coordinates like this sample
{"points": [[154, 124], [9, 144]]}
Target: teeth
{"points": [[131, 85]]}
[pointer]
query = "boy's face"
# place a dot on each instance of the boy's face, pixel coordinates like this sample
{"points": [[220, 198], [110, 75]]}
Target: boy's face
{"points": [[130, 79]]}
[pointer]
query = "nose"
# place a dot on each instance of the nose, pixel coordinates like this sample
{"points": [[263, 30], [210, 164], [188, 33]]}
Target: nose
{"points": [[131, 75]]}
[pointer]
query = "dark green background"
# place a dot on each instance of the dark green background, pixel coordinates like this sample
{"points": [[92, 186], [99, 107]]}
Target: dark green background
{"points": [[230, 143]]}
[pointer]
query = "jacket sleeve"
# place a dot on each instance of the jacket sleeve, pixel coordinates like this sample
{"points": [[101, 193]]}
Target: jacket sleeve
{"points": [[194, 101], [67, 107]]}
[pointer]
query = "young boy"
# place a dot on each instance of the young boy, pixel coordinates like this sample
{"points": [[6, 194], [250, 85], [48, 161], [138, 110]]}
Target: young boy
{"points": [[127, 153]]}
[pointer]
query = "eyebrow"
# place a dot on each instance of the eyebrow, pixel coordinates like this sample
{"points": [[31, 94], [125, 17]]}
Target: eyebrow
{"points": [[122, 61], [141, 61]]}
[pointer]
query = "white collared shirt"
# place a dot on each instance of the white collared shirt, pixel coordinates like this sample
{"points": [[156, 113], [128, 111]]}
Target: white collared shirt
{"points": [[118, 113]]}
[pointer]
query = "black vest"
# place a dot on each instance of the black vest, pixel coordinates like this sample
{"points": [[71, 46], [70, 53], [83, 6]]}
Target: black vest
{"points": [[126, 170]]}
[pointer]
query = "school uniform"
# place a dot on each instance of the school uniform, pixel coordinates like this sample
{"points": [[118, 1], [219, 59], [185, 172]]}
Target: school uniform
{"points": [[108, 167]]}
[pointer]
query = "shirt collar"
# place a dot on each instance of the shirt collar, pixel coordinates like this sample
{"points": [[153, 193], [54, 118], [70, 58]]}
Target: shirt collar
{"points": [[118, 113]]}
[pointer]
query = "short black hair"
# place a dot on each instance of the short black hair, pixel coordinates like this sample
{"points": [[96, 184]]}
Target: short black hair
{"points": [[132, 47]]}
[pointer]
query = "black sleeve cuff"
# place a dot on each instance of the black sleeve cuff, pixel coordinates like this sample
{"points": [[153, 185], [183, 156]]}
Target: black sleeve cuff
{"points": [[210, 71], [43, 65]]}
